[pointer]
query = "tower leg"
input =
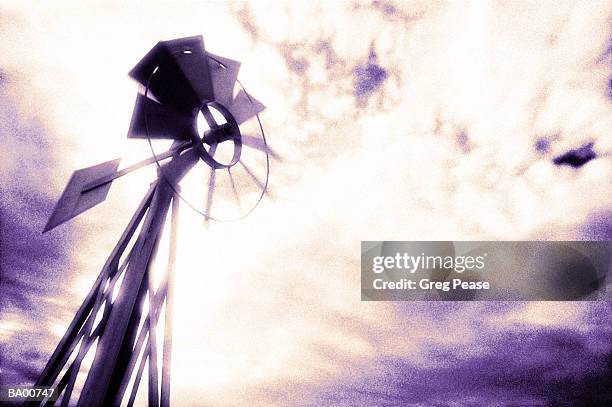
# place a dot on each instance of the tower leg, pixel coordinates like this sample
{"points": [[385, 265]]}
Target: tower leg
{"points": [[87, 311], [95, 389], [167, 351]]}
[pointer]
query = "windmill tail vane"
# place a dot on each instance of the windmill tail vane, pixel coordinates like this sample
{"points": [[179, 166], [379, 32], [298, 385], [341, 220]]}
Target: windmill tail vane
{"points": [[116, 325]]}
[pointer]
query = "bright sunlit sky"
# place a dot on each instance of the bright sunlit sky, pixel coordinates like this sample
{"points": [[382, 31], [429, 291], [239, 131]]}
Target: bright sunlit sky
{"points": [[414, 120]]}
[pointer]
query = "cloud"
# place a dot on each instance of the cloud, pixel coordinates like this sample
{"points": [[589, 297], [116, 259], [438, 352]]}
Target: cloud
{"points": [[519, 367], [31, 265]]}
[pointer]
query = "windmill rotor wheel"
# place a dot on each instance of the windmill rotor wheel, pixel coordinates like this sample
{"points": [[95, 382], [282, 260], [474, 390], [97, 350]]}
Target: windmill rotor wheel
{"points": [[217, 133], [220, 126]]}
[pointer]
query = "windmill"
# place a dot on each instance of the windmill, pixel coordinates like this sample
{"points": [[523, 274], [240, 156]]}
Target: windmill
{"points": [[186, 95]]}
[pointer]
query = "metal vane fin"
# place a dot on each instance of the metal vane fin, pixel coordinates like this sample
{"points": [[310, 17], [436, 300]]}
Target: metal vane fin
{"points": [[224, 73], [177, 73], [163, 121], [245, 107], [73, 201]]}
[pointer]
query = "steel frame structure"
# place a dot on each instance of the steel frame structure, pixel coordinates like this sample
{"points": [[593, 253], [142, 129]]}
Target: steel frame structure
{"points": [[117, 322], [113, 312]]}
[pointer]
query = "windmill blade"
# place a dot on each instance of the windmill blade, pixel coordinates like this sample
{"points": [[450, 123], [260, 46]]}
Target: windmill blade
{"points": [[141, 72], [73, 201], [159, 60], [190, 56], [177, 73], [234, 190], [256, 180], [258, 144], [163, 121], [224, 73], [209, 197], [245, 107]]}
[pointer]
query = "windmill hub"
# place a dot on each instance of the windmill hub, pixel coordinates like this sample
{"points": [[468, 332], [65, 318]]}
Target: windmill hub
{"points": [[216, 124]]}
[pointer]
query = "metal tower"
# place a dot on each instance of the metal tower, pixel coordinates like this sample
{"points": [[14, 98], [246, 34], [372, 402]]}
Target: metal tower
{"points": [[179, 81]]}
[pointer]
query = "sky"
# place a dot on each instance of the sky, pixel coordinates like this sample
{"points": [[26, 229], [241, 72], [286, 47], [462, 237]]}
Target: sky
{"points": [[411, 120]]}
